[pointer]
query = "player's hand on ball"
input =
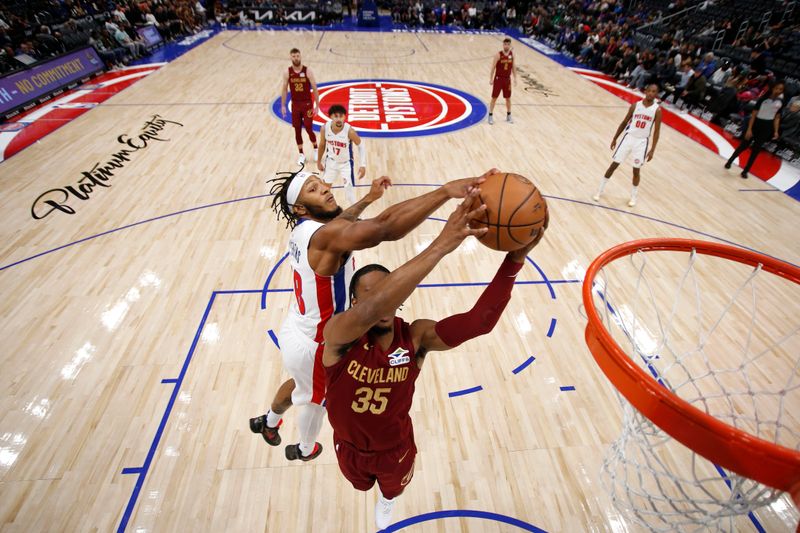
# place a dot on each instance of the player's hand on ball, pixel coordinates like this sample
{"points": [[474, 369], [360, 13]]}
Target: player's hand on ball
{"points": [[361, 172], [461, 188], [518, 256], [457, 227], [378, 186]]}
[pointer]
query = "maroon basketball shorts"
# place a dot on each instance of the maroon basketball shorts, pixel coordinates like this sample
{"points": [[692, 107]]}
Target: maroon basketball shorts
{"points": [[301, 111], [392, 469], [501, 84]]}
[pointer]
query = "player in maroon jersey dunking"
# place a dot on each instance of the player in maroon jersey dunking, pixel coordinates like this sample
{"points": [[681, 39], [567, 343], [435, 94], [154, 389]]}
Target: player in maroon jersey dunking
{"points": [[302, 84], [372, 359], [503, 70]]}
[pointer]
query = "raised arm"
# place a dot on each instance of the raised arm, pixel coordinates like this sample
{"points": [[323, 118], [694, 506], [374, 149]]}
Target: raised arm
{"points": [[379, 185], [341, 236], [623, 124], [656, 133], [344, 328], [450, 332]]}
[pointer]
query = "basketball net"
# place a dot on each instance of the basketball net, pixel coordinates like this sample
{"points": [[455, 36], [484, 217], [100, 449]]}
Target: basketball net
{"points": [[683, 335]]}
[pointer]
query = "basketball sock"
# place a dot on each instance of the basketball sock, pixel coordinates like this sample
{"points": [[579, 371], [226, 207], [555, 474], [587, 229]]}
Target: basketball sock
{"points": [[603, 183], [273, 419], [634, 191], [490, 114], [300, 150], [309, 422], [508, 113]]}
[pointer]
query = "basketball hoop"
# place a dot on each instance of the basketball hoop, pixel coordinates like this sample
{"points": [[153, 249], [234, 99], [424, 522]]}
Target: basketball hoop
{"points": [[688, 393]]}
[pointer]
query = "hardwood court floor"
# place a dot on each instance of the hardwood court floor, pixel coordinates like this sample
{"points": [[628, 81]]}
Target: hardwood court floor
{"points": [[126, 358]]}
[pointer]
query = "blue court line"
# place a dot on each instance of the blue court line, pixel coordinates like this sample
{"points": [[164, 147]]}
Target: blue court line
{"points": [[274, 338], [269, 280], [463, 513], [169, 380], [580, 202], [656, 376], [160, 431], [552, 327], [465, 391], [544, 276], [567, 387], [760, 190], [133, 470], [525, 364], [133, 225]]}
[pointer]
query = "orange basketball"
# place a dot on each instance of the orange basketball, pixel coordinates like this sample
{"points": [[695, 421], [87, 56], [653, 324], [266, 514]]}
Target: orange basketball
{"points": [[515, 211]]}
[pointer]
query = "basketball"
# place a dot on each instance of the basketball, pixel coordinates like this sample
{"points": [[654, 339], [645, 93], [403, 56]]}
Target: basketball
{"points": [[515, 211]]}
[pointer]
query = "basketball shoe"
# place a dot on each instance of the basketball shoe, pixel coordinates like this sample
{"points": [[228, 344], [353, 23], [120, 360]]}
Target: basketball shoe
{"points": [[491, 120], [383, 512], [293, 452], [271, 435], [301, 160]]}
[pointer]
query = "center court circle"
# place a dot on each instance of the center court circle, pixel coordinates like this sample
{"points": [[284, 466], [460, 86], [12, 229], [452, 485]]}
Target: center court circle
{"points": [[396, 108]]}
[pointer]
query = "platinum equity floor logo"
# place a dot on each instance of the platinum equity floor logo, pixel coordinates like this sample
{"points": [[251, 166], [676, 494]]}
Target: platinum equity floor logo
{"points": [[396, 108]]}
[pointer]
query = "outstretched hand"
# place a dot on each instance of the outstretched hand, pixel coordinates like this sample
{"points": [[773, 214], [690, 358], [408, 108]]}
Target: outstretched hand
{"points": [[457, 227], [460, 188], [518, 256], [378, 186]]}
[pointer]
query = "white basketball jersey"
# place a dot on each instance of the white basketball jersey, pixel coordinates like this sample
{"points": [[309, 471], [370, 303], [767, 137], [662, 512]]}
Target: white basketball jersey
{"points": [[642, 120], [337, 145], [316, 298]]}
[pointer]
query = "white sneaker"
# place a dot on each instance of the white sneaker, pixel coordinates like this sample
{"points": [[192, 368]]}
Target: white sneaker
{"points": [[301, 160], [383, 512], [632, 203], [509, 119], [596, 197], [491, 119]]}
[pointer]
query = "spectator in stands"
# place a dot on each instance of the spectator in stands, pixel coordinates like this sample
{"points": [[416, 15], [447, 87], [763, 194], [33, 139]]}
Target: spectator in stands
{"points": [[764, 125], [695, 90], [758, 60], [136, 49], [665, 71], [790, 123], [113, 58], [721, 75], [47, 44], [644, 70], [708, 65]]}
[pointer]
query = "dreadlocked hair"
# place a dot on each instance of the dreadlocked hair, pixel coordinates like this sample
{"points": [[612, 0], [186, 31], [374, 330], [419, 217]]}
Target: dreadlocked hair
{"points": [[278, 187]]}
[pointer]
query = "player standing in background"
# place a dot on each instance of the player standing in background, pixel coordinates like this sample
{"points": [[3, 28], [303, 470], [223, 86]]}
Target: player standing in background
{"points": [[643, 117], [320, 252], [503, 70], [335, 153], [372, 359], [302, 84]]}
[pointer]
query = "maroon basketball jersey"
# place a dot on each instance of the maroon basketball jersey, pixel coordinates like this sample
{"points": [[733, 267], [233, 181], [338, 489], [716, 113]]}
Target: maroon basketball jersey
{"points": [[504, 65], [299, 85], [369, 392]]}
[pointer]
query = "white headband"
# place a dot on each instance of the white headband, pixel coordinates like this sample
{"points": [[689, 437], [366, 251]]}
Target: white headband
{"points": [[296, 186]]}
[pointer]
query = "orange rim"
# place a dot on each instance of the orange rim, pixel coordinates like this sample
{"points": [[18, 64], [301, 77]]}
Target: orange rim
{"points": [[766, 462]]}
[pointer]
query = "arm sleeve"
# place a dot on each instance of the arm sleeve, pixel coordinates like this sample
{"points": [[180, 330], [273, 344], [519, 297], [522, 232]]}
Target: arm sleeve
{"points": [[483, 316]]}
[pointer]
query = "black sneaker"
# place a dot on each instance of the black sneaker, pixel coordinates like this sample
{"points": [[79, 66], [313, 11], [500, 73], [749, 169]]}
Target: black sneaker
{"points": [[743, 175], [293, 452], [271, 435], [727, 164]]}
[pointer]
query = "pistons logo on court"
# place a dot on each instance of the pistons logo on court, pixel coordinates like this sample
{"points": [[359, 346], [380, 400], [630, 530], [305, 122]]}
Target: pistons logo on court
{"points": [[395, 108]]}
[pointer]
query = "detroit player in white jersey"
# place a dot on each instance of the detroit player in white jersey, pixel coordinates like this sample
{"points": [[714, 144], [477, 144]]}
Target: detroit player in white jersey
{"points": [[320, 247], [642, 118], [335, 157]]}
